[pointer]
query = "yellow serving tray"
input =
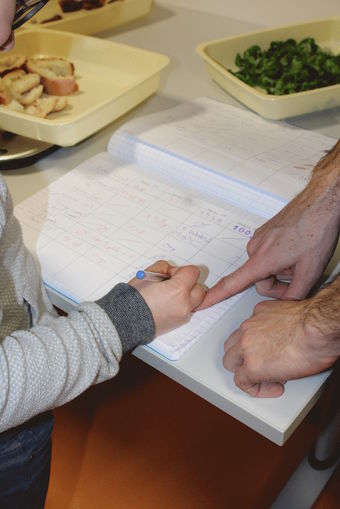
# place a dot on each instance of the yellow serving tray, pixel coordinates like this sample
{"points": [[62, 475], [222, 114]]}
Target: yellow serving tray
{"points": [[219, 55], [112, 78], [91, 21]]}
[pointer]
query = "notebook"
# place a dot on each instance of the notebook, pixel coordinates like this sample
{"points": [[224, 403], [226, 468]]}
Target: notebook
{"points": [[189, 185]]}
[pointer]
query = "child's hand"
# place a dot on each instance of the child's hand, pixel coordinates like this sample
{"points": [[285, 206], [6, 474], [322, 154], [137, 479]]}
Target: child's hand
{"points": [[171, 301]]}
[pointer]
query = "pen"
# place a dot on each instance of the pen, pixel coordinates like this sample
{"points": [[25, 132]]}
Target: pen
{"points": [[151, 276]]}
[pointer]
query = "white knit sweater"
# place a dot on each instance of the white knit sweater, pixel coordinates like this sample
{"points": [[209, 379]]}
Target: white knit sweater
{"points": [[45, 360]]}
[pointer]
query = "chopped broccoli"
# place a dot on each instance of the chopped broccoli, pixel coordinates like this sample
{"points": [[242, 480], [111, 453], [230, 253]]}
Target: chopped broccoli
{"points": [[287, 67]]}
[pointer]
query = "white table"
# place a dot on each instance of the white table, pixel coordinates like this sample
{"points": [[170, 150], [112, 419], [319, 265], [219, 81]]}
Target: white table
{"points": [[176, 31]]}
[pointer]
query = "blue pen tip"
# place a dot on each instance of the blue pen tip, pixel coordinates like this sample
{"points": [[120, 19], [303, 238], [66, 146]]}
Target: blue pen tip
{"points": [[140, 274]]}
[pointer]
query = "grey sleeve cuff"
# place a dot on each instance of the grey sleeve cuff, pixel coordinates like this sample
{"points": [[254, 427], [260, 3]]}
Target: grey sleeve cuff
{"points": [[130, 314]]}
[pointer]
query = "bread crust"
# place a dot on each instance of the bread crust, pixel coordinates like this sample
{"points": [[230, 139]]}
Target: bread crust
{"points": [[5, 94], [10, 63], [57, 74], [24, 87], [25, 83], [45, 105]]}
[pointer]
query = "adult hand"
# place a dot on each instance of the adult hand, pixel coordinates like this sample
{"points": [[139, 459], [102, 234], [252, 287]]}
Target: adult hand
{"points": [[171, 301], [281, 341], [297, 243]]}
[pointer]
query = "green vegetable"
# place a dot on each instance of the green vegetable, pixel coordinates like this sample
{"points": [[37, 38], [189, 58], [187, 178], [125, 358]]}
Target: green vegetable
{"points": [[288, 67]]}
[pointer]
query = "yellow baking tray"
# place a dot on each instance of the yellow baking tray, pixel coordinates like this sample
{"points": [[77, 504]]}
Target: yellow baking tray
{"points": [[112, 14], [112, 79], [219, 55]]}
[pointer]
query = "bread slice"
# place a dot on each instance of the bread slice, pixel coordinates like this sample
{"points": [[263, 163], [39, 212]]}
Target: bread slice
{"points": [[10, 63], [24, 87], [61, 103], [25, 83], [15, 106], [45, 105], [5, 94], [30, 96], [11, 77], [57, 74], [42, 107]]}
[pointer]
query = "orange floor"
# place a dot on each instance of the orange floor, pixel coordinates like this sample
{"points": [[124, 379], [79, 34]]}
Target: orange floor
{"points": [[141, 441]]}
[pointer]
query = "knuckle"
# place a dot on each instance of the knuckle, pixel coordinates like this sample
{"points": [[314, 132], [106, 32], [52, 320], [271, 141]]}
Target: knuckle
{"points": [[162, 261], [250, 364], [238, 381], [246, 343], [245, 327], [262, 288], [194, 269], [251, 246], [226, 363], [260, 306], [222, 283], [158, 264]]}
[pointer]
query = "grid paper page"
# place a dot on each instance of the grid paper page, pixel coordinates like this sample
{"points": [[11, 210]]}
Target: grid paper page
{"points": [[271, 156], [193, 175], [100, 223]]}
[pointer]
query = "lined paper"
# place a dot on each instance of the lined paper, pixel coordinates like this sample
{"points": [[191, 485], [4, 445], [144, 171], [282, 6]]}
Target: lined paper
{"points": [[100, 223], [273, 157]]}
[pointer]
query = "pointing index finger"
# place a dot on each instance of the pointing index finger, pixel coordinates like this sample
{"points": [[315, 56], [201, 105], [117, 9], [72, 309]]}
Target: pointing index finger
{"points": [[230, 285]]}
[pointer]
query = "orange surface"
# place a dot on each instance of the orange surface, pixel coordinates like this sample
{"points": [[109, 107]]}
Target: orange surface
{"points": [[141, 441], [330, 496]]}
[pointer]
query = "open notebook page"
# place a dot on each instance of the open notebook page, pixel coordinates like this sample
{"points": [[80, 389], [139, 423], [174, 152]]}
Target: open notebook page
{"points": [[271, 156], [119, 212], [100, 223]]}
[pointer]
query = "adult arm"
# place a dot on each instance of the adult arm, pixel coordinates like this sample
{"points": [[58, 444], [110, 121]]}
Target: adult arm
{"points": [[298, 242], [285, 340]]}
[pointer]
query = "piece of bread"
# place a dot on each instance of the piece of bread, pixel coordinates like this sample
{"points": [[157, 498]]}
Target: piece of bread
{"points": [[57, 74], [24, 87], [30, 96], [5, 94], [15, 106], [45, 105], [11, 77], [42, 106], [61, 103], [25, 83], [10, 63], [22, 90]]}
